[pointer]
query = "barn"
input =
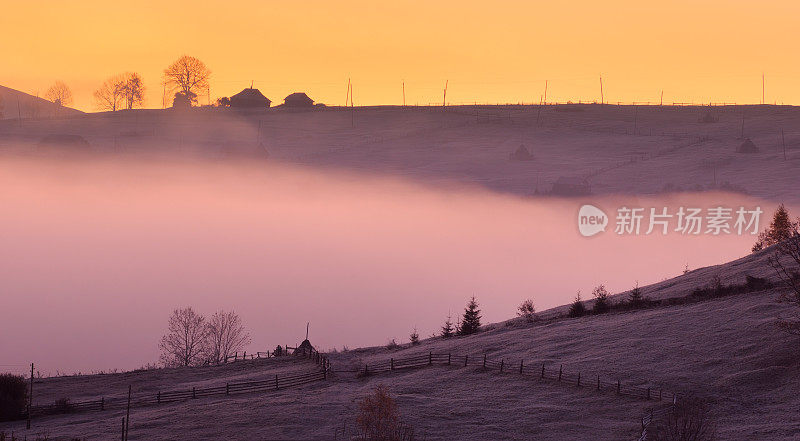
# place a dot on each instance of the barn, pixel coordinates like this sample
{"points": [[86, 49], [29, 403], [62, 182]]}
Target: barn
{"points": [[250, 98], [298, 99]]}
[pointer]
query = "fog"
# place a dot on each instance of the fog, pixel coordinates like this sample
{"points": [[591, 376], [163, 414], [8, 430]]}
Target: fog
{"points": [[96, 255]]}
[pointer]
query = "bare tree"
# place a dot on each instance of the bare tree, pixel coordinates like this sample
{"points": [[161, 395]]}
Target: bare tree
{"points": [[185, 343], [60, 94], [226, 335], [689, 420], [786, 262], [109, 95], [133, 90], [378, 416], [188, 76]]}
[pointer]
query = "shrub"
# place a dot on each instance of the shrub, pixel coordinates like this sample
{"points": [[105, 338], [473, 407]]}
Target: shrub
{"points": [[602, 303], [635, 298], [577, 309], [527, 310], [392, 345], [471, 322], [378, 415], [414, 337], [13, 397], [690, 419]]}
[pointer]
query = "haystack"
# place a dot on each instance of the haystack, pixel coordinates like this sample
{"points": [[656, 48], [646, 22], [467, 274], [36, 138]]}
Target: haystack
{"points": [[747, 147], [521, 154], [305, 348]]}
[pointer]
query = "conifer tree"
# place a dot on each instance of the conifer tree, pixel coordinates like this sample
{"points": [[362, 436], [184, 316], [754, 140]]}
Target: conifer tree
{"points": [[577, 309], [471, 321], [780, 229], [601, 302], [635, 298], [448, 330]]}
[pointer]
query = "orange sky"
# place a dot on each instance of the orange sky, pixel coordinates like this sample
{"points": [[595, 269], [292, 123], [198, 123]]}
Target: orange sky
{"points": [[503, 51]]}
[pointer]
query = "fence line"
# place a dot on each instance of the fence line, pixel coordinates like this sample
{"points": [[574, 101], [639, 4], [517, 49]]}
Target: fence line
{"points": [[63, 406]]}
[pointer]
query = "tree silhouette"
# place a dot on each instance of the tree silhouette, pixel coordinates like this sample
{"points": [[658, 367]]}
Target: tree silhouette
{"points": [[187, 75], [448, 330], [59, 94], [109, 95], [471, 321], [185, 342], [577, 309], [602, 304], [226, 336], [780, 229], [133, 90]]}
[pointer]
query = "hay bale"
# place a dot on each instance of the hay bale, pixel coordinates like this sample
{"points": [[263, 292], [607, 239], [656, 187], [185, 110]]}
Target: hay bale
{"points": [[521, 154], [747, 147]]}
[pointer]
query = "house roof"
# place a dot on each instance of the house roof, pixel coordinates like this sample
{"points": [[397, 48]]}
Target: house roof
{"points": [[251, 94], [298, 96]]}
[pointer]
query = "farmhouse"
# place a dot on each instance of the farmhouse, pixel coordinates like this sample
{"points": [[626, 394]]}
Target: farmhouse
{"points": [[298, 99], [250, 98]]}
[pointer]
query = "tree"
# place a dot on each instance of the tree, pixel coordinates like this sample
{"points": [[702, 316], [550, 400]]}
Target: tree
{"points": [[577, 308], [780, 229], [182, 101], [471, 321], [602, 304], [689, 419], [447, 329], [226, 336], [414, 337], [527, 310], [109, 95], [635, 298], [188, 76], [378, 416], [223, 102], [133, 90], [786, 263], [59, 94], [185, 342]]}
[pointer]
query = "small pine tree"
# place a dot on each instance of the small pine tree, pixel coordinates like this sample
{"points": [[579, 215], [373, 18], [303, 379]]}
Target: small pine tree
{"points": [[414, 337], [471, 322], [601, 302], [780, 229], [448, 330], [577, 309], [527, 310], [635, 298]]}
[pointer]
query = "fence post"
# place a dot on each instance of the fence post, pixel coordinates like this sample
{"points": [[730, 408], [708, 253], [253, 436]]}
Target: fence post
{"points": [[158, 397], [598, 382], [448, 358], [194, 392], [560, 369], [103, 403], [520, 367], [236, 356], [618, 387], [391, 365], [366, 369], [579, 379], [484, 361], [227, 388], [501, 365], [648, 393], [276, 381], [430, 358]]}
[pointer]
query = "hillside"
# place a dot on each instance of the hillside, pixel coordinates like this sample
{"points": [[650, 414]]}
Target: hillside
{"points": [[15, 104], [725, 349], [619, 149]]}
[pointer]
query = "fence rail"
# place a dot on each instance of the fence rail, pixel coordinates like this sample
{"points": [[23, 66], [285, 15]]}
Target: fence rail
{"points": [[64, 406], [519, 367]]}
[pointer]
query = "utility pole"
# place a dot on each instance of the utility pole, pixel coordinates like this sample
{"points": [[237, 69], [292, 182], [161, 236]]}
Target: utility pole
{"points": [[128, 414], [545, 91], [601, 89], [404, 93], [444, 99], [347, 96], [307, 324], [662, 98], [762, 89], [30, 394], [352, 108]]}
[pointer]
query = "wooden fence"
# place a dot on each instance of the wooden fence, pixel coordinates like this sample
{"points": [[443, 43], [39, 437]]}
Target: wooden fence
{"points": [[64, 405], [577, 379]]}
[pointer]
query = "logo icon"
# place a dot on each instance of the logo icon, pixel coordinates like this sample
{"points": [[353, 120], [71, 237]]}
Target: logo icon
{"points": [[591, 220]]}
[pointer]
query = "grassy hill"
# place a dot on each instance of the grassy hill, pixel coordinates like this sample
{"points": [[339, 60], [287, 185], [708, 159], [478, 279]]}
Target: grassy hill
{"points": [[724, 349], [15, 104]]}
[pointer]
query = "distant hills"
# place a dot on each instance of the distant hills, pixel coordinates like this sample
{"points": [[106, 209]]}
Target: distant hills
{"points": [[15, 104]]}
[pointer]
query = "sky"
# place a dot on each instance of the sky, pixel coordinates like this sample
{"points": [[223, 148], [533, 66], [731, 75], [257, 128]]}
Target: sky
{"points": [[494, 52]]}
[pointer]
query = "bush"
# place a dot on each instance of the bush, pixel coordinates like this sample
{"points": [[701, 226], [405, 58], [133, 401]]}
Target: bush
{"points": [[636, 299], [392, 345], [13, 397], [602, 304], [690, 419], [414, 337], [527, 310], [577, 309], [378, 416]]}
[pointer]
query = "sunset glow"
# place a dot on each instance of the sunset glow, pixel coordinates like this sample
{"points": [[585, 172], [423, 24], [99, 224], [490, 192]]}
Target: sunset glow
{"points": [[713, 51]]}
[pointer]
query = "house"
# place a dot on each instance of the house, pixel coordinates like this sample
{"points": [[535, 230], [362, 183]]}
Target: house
{"points": [[298, 99], [571, 186], [250, 98]]}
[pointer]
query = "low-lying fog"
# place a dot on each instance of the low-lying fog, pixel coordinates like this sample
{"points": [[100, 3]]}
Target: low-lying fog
{"points": [[96, 256]]}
